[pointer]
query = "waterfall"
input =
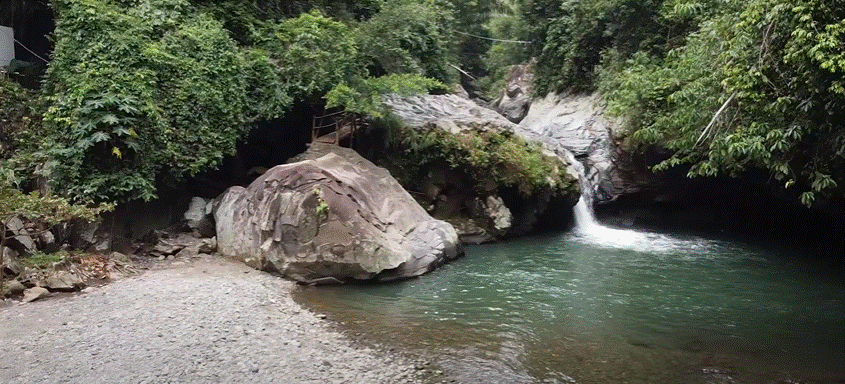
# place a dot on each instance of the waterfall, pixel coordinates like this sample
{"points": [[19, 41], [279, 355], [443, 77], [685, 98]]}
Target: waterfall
{"points": [[566, 125], [585, 220], [590, 230]]}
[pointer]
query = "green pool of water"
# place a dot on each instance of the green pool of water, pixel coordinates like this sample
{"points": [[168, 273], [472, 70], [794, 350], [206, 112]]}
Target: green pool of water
{"points": [[610, 306]]}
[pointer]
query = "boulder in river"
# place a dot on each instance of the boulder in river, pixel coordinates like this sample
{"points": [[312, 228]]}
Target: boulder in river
{"points": [[337, 217]]}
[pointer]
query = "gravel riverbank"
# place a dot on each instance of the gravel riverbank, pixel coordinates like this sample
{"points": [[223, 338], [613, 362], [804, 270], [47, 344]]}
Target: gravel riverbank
{"points": [[206, 321]]}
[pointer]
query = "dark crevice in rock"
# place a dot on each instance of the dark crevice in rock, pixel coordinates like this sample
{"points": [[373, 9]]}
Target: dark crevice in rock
{"points": [[268, 144]]}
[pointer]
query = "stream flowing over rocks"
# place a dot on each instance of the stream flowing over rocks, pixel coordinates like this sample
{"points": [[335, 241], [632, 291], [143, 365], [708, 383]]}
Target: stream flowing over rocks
{"points": [[493, 212], [208, 321], [577, 126]]}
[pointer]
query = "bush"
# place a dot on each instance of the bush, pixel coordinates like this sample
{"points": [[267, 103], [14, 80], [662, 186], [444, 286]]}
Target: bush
{"points": [[136, 91], [484, 156], [16, 115]]}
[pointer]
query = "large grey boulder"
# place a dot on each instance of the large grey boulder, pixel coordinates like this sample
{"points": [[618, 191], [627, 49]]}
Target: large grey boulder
{"points": [[198, 217], [337, 217], [514, 101]]}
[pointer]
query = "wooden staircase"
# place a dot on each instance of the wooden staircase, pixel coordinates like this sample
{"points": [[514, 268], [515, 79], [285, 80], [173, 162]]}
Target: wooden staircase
{"points": [[337, 128]]}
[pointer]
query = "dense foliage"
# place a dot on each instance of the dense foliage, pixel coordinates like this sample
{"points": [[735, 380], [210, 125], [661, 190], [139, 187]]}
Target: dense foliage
{"points": [[138, 90], [145, 92], [728, 86], [16, 115], [142, 92], [406, 37]]}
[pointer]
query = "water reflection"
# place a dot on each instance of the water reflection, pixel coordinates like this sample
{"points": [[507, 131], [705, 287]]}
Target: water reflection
{"points": [[669, 309]]}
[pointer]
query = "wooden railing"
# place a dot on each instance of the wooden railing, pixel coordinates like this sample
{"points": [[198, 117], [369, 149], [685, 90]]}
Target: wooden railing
{"points": [[336, 127]]}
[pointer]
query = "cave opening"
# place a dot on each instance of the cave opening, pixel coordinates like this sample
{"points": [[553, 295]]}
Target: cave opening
{"points": [[268, 143]]}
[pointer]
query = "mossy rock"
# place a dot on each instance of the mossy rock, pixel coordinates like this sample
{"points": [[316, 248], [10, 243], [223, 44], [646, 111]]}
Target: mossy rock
{"points": [[431, 134]]}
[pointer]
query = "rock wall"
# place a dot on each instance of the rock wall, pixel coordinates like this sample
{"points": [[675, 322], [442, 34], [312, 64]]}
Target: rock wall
{"points": [[577, 124], [514, 101], [481, 203], [450, 113], [626, 193]]}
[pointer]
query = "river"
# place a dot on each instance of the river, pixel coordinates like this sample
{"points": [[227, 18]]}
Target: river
{"points": [[605, 305]]}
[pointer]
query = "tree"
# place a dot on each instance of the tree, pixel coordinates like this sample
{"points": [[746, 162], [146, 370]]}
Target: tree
{"points": [[407, 38], [760, 85], [139, 92]]}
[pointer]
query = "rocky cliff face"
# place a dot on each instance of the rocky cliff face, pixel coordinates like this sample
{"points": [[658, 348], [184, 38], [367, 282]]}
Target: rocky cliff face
{"points": [[627, 193], [332, 217], [480, 172], [577, 124]]}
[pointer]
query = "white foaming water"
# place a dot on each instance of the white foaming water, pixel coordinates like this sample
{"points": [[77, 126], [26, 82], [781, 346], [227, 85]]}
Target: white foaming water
{"points": [[591, 231]]}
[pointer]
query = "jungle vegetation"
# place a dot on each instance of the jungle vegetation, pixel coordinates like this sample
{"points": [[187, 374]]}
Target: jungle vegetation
{"points": [[726, 85], [140, 92]]}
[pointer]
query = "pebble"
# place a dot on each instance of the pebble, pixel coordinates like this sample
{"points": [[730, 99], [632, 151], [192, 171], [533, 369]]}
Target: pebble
{"points": [[203, 322]]}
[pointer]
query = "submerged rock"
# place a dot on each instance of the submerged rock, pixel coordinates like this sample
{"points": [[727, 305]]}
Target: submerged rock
{"points": [[337, 215]]}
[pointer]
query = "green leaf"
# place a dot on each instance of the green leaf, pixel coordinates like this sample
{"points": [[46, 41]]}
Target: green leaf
{"points": [[807, 198]]}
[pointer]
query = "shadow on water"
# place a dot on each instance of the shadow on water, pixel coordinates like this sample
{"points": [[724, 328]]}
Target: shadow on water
{"points": [[610, 305]]}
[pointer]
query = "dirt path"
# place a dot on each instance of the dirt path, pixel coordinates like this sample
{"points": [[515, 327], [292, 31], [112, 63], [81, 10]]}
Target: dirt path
{"points": [[208, 321]]}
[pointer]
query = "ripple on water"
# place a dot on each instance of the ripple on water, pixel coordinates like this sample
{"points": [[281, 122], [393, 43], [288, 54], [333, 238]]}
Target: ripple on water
{"points": [[611, 305]]}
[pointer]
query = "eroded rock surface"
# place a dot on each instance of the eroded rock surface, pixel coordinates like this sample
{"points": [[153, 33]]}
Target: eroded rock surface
{"points": [[514, 101], [578, 124], [481, 208], [451, 113], [335, 216]]}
